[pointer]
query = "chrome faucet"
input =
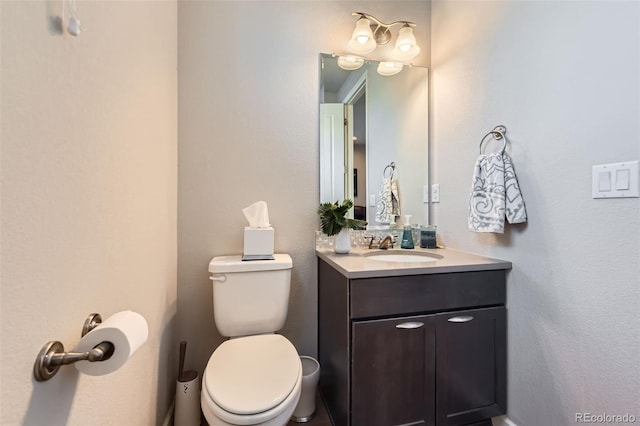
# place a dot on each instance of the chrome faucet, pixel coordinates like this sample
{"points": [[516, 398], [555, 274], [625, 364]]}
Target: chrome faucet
{"points": [[384, 244], [387, 242]]}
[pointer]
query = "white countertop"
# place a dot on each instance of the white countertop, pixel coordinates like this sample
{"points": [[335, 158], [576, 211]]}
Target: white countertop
{"points": [[357, 265]]}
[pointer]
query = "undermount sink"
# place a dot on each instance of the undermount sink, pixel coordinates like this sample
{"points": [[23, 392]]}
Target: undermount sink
{"points": [[404, 256]]}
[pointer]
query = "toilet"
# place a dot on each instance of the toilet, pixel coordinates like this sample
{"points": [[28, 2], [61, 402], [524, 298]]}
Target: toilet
{"points": [[255, 377]]}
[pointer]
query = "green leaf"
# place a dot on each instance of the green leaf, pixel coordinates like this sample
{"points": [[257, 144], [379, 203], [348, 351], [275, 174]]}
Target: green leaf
{"points": [[333, 217]]}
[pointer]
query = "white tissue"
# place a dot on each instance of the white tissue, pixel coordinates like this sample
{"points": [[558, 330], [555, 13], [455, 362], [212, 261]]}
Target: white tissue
{"points": [[257, 215]]}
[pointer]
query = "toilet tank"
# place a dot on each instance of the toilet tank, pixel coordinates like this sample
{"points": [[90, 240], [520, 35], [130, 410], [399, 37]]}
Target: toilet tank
{"points": [[250, 297]]}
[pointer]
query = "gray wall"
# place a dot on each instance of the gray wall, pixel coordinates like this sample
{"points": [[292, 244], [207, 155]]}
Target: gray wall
{"points": [[89, 153], [248, 131], [564, 77]]}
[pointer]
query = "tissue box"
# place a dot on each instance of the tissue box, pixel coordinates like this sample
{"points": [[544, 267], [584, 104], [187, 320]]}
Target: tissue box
{"points": [[258, 243]]}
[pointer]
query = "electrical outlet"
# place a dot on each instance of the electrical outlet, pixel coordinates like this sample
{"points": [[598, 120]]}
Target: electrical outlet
{"points": [[435, 193]]}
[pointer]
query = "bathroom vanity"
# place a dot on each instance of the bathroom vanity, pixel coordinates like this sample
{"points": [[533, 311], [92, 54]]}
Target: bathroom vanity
{"points": [[410, 342]]}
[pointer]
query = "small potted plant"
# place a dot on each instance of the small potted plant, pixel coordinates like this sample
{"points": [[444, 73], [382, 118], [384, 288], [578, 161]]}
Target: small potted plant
{"points": [[333, 221]]}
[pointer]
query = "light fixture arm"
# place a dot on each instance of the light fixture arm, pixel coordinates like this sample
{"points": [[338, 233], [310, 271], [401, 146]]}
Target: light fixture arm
{"points": [[380, 23], [381, 30]]}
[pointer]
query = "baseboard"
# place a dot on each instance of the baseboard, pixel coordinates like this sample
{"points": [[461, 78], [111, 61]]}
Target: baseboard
{"points": [[168, 418], [502, 421]]}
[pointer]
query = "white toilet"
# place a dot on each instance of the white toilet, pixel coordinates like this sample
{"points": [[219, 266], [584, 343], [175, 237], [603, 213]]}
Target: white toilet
{"points": [[255, 377]]}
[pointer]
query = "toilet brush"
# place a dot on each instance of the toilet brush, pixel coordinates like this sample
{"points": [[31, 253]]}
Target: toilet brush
{"points": [[183, 352], [187, 394]]}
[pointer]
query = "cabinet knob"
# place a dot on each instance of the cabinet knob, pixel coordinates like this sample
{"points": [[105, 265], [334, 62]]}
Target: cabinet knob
{"points": [[410, 325], [465, 318]]}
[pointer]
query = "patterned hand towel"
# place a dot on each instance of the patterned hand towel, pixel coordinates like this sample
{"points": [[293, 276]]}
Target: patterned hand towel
{"points": [[388, 206], [494, 194], [514, 203]]}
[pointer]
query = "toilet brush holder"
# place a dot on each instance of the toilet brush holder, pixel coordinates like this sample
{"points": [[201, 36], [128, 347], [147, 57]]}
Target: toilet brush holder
{"points": [[188, 400], [187, 394], [306, 408]]}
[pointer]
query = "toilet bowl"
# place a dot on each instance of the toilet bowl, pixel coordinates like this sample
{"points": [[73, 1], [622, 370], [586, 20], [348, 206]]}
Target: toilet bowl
{"points": [[252, 380]]}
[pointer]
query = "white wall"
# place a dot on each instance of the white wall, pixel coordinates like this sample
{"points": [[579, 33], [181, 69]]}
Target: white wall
{"points": [[248, 130], [89, 135], [564, 77]]}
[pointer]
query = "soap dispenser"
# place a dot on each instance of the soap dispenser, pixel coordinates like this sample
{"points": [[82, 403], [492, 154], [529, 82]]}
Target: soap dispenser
{"points": [[407, 235]]}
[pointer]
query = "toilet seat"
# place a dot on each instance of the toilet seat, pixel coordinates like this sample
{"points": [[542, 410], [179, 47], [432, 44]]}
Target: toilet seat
{"points": [[252, 379]]}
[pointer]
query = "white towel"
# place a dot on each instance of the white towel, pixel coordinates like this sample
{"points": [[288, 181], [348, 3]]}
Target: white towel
{"points": [[388, 206], [495, 194]]}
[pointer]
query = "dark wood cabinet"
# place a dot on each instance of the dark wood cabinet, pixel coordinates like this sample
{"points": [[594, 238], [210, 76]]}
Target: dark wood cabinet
{"points": [[471, 365], [396, 357], [412, 350]]}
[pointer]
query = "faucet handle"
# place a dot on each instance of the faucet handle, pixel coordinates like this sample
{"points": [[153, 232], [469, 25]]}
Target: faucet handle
{"points": [[372, 239]]}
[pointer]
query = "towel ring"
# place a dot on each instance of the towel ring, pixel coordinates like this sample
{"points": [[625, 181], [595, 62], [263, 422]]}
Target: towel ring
{"points": [[391, 168], [498, 134]]}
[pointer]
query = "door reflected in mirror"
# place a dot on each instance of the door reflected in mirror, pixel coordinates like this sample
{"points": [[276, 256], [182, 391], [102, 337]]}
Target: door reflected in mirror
{"points": [[367, 122]]}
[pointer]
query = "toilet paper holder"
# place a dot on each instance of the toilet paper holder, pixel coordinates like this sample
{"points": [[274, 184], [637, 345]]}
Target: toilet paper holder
{"points": [[52, 355]]}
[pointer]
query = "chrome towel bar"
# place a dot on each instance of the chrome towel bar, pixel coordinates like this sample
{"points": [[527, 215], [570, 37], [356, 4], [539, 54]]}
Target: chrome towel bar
{"points": [[498, 134]]}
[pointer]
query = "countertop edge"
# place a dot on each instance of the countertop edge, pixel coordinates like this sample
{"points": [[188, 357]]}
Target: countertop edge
{"points": [[470, 262]]}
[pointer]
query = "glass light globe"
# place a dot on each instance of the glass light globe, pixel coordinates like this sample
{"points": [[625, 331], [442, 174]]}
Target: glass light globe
{"points": [[389, 68], [406, 47]]}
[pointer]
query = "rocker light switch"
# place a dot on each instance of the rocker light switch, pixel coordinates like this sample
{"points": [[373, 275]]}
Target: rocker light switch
{"points": [[622, 179], [617, 180], [604, 181]]}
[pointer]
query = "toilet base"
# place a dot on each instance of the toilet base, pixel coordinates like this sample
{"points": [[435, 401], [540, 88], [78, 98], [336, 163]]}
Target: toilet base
{"points": [[281, 420]]}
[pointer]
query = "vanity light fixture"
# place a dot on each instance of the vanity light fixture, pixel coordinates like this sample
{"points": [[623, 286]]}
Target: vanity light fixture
{"points": [[370, 32]]}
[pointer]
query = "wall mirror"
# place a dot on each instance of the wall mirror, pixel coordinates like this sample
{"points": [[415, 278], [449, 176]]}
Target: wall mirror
{"points": [[367, 122]]}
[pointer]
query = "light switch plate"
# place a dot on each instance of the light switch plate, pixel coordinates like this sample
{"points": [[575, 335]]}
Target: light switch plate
{"points": [[425, 194], [435, 193], [615, 180], [372, 200]]}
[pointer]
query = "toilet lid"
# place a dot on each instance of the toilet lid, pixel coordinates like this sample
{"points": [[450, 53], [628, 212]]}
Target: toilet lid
{"points": [[252, 374]]}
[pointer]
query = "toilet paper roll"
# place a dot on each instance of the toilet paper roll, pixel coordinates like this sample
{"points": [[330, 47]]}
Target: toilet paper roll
{"points": [[126, 330]]}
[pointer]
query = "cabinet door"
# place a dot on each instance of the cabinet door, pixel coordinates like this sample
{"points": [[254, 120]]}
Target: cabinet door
{"points": [[393, 372], [471, 365]]}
